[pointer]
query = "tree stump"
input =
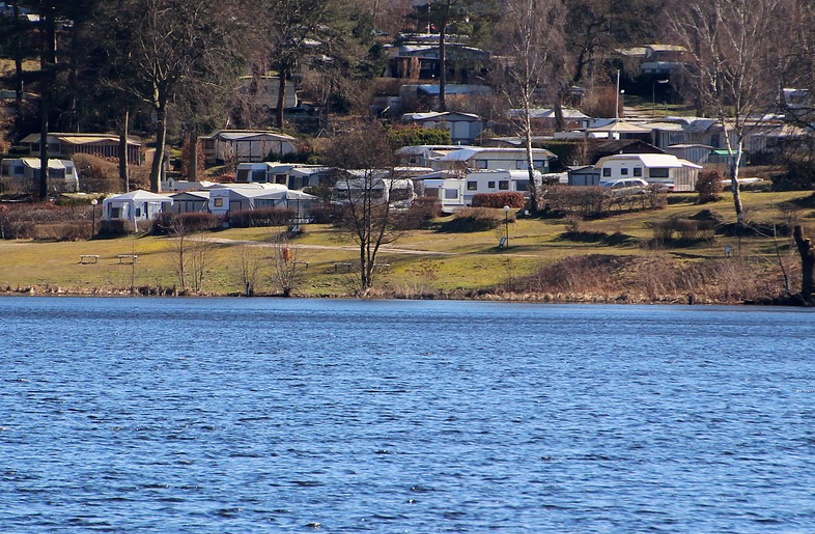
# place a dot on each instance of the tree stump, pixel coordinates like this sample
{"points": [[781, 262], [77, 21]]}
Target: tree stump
{"points": [[807, 252]]}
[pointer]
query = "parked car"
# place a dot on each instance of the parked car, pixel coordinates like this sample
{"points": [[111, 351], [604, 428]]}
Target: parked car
{"points": [[624, 182]]}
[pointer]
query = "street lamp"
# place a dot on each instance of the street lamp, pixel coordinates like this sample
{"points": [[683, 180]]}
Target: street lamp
{"points": [[506, 226], [654, 96], [94, 202]]}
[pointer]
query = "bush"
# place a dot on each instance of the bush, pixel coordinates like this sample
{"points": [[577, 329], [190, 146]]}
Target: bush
{"points": [[709, 186], [168, 223], [18, 221], [499, 200], [261, 217], [474, 220], [420, 212], [65, 231], [115, 228], [102, 176]]}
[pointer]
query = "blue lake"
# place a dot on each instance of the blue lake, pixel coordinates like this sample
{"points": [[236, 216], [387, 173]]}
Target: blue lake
{"points": [[267, 415]]}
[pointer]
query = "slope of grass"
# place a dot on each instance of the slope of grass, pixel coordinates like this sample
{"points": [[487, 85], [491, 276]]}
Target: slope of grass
{"points": [[421, 262]]}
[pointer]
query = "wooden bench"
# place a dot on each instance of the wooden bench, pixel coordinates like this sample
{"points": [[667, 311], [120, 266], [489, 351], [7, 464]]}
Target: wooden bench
{"points": [[344, 264], [128, 258], [88, 258], [300, 262]]}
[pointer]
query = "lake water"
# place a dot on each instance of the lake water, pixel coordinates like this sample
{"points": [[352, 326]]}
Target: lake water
{"points": [[264, 415]]}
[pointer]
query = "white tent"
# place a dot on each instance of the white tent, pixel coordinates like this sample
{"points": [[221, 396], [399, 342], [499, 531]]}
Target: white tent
{"points": [[134, 206]]}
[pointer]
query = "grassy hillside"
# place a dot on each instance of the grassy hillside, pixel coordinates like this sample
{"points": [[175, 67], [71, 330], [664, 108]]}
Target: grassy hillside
{"points": [[430, 263]]}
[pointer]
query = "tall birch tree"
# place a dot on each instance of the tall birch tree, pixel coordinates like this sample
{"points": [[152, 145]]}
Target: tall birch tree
{"points": [[730, 46], [531, 42]]}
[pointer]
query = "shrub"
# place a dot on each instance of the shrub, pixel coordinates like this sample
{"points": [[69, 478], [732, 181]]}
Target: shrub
{"points": [[65, 231], [261, 217], [499, 200], [709, 186], [474, 220], [168, 223], [400, 135], [115, 228], [18, 221], [420, 212]]}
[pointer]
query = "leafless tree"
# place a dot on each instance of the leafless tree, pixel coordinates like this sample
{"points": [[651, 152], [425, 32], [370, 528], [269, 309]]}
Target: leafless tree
{"points": [[286, 268], [730, 45], [192, 255], [531, 40], [366, 162], [249, 268]]}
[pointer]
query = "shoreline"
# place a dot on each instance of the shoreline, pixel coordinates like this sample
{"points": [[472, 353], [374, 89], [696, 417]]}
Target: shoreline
{"points": [[481, 296]]}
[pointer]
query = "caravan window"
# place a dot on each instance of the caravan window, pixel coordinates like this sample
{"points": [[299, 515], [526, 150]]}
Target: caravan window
{"points": [[637, 171], [491, 185], [659, 173], [503, 185], [624, 171], [472, 186], [259, 176], [606, 172], [242, 176], [451, 194], [218, 202], [522, 185]]}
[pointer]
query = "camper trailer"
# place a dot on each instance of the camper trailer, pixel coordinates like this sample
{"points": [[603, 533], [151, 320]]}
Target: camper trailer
{"points": [[457, 193], [398, 193]]}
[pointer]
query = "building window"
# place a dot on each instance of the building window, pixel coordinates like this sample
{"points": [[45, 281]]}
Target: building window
{"points": [[637, 171], [503, 185], [606, 172], [491, 185], [472, 186], [624, 171]]}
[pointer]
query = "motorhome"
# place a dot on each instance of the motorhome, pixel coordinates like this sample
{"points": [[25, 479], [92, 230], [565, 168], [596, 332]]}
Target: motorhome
{"points": [[457, 193]]}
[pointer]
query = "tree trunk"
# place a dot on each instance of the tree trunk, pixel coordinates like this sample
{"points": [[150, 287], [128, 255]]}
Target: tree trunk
{"points": [[192, 164], [18, 68], [807, 252], [158, 157], [443, 57], [281, 97], [47, 66], [123, 163], [735, 161], [530, 163]]}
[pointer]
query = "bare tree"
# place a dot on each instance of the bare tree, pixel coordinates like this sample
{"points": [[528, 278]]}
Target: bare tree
{"points": [[366, 162], [249, 269], [530, 39], [286, 268], [730, 44], [192, 254]]}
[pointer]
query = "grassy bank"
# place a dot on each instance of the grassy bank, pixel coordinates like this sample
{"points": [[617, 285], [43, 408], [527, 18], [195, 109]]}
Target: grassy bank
{"points": [[618, 258]]}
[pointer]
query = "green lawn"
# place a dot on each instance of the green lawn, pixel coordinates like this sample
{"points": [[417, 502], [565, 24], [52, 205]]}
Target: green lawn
{"points": [[439, 262]]}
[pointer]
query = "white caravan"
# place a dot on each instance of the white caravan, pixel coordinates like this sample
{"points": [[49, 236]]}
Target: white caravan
{"points": [[457, 193]]}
